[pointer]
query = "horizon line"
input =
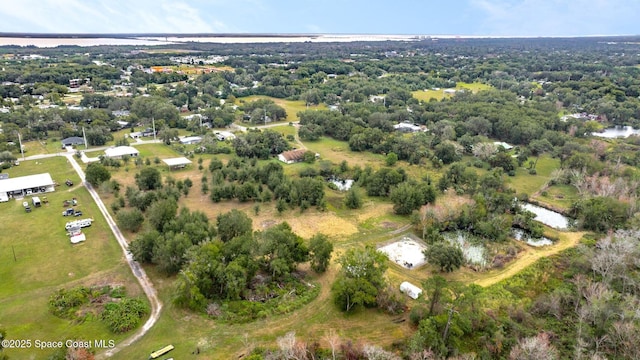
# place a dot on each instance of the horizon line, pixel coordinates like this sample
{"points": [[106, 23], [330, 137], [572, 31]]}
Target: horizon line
{"points": [[254, 34]]}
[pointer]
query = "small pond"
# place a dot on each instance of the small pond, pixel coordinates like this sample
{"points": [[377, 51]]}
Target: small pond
{"points": [[473, 253], [617, 132], [548, 217], [520, 235]]}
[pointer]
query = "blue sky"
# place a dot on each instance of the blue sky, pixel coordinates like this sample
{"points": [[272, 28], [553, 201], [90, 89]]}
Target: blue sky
{"points": [[446, 17]]}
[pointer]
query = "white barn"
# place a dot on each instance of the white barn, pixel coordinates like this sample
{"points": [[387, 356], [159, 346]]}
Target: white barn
{"points": [[177, 163], [25, 185], [119, 151], [411, 290]]}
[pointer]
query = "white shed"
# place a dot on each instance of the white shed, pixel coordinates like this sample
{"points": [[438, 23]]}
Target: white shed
{"points": [[119, 151], [411, 290]]}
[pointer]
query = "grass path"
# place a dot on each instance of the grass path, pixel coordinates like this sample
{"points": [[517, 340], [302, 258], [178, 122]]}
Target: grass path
{"points": [[523, 260]]}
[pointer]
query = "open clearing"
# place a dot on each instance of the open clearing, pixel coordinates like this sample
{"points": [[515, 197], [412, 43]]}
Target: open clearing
{"points": [[45, 261], [428, 94], [292, 107]]}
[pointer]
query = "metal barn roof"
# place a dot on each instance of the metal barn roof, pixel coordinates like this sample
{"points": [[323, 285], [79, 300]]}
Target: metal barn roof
{"points": [[26, 182]]}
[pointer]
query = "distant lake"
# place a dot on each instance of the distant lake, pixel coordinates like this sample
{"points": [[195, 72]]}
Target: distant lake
{"points": [[617, 132], [174, 39], [53, 42]]}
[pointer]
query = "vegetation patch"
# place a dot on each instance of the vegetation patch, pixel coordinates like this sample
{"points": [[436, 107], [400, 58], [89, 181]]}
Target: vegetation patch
{"points": [[106, 303], [273, 299]]}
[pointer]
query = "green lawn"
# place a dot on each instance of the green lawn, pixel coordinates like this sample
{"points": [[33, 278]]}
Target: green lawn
{"points": [[337, 151], [428, 94], [558, 196], [160, 150], [292, 107], [48, 146], [530, 184], [45, 261]]}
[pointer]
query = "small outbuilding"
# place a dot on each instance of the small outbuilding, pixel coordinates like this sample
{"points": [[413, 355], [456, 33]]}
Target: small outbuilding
{"points": [[119, 151], [292, 156], [408, 127], [177, 163], [504, 145], [411, 290], [188, 140], [72, 141], [224, 135]]}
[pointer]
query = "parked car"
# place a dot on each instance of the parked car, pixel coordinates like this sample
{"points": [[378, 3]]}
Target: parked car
{"points": [[77, 213], [69, 182], [68, 212], [27, 208]]}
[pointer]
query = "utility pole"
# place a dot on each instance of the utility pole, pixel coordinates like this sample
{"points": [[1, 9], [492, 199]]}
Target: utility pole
{"points": [[84, 135], [21, 148], [153, 121], [14, 254]]}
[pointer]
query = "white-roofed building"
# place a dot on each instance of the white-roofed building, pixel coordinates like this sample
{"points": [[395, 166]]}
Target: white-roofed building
{"points": [[119, 151], [187, 140], [177, 163], [224, 135], [408, 127], [25, 185], [504, 145]]}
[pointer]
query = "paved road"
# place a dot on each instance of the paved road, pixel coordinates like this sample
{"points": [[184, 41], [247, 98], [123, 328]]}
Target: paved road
{"points": [[244, 128], [137, 270], [100, 148]]}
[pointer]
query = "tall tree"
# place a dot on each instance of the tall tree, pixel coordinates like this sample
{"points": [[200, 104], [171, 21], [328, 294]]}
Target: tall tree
{"points": [[96, 174], [360, 279], [320, 248], [232, 224], [149, 179]]}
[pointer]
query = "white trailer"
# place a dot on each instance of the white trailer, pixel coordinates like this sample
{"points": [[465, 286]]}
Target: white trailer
{"points": [[78, 224]]}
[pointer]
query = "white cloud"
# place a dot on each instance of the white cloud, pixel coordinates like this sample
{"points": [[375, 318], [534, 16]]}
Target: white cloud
{"points": [[554, 17], [107, 16]]}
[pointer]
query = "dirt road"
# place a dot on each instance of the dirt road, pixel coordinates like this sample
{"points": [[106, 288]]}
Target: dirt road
{"points": [[137, 270]]}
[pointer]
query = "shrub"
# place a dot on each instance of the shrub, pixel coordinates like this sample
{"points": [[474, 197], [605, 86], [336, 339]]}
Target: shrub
{"points": [[63, 303], [125, 315]]}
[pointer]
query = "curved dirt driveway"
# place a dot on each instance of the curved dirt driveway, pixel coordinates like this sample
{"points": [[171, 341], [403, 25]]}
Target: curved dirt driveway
{"points": [[137, 270]]}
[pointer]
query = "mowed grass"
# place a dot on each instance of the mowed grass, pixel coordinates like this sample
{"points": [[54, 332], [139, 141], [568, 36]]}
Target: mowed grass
{"points": [[558, 196], [428, 94], [42, 147], [45, 261], [161, 151], [292, 107], [337, 151], [530, 184]]}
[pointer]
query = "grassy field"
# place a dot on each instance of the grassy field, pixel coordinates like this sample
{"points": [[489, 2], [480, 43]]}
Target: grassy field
{"points": [[48, 146], [292, 107], [530, 184], [45, 261], [428, 94], [558, 196], [337, 151]]}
